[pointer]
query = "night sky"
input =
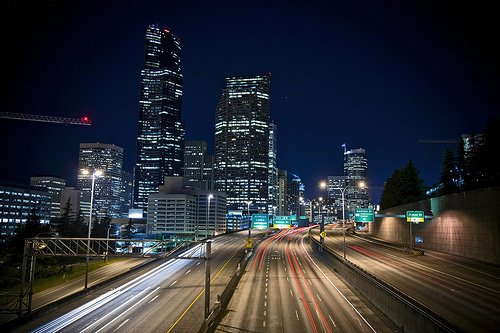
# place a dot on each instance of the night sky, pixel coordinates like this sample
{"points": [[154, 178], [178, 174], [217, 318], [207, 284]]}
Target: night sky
{"points": [[378, 75]]}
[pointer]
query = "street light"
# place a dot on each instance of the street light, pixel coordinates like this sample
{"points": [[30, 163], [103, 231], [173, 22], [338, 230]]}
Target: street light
{"points": [[210, 196], [320, 199], [95, 173], [361, 185], [249, 219]]}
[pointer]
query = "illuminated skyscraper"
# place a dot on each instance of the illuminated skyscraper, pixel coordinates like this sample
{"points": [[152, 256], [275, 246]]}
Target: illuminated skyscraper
{"points": [[273, 169], [55, 186], [198, 165], [355, 171], [242, 142], [160, 135], [108, 159]]}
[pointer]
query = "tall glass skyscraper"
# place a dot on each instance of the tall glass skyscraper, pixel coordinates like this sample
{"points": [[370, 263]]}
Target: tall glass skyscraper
{"points": [[355, 171], [242, 142], [160, 135], [198, 165], [108, 159]]}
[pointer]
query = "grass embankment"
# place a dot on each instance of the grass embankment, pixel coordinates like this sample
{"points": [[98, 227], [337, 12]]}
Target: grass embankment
{"points": [[77, 271]]}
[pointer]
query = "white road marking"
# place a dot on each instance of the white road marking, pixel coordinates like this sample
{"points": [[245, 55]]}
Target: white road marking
{"points": [[116, 329], [173, 283]]}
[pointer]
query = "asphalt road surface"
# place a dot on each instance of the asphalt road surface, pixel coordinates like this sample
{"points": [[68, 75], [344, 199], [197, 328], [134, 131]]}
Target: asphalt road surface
{"points": [[465, 292], [285, 289]]}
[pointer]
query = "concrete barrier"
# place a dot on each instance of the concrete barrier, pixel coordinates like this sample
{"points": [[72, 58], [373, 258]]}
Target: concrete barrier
{"points": [[405, 312]]}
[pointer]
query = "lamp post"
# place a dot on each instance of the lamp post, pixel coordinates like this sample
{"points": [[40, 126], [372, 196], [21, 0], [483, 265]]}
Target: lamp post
{"points": [[342, 190], [320, 200], [249, 219], [210, 196], [360, 185], [343, 215], [95, 173]]}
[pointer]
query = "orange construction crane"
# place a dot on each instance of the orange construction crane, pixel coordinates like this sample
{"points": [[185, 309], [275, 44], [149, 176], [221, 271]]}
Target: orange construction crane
{"points": [[47, 119]]}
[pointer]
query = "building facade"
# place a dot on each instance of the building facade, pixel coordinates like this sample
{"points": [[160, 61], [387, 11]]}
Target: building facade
{"points": [[356, 171], [17, 202], [54, 186], [75, 201], [242, 142], [198, 165], [335, 186], [160, 134], [295, 196], [273, 168], [107, 158], [282, 193], [181, 210]]}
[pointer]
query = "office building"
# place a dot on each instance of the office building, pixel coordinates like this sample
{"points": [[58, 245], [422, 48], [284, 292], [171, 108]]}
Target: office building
{"points": [[198, 165], [295, 192], [281, 193], [335, 186], [160, 134], [54, 186], [355, 171], [108, 159], [76, 201], [17, 202], [273, 169], [126, 193], [242, 142], [179, 210]]}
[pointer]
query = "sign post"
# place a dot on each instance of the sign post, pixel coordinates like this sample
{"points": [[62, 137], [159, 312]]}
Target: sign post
{"points": [[414, 216]]}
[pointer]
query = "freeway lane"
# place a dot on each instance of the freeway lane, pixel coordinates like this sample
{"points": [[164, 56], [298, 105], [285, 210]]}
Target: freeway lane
{"points": [[167, 298], [464, 292], [285, 290]]}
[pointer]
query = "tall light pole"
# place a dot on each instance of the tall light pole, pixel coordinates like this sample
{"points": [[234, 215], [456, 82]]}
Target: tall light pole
{"points": [[361, 185], [343, 214], [210, 196], [320, 200], [95, 173], [249, 219]]}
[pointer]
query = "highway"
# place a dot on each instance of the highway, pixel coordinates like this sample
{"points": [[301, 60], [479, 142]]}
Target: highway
{"points": [[285, 289], [167, 298], [466, 293]]}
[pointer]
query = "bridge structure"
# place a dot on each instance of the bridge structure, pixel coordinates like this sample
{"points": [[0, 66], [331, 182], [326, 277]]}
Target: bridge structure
{"points": [[21, 303]]}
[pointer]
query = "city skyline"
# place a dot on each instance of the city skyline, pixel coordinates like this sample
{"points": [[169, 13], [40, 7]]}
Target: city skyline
{"points": [[378, 77]]}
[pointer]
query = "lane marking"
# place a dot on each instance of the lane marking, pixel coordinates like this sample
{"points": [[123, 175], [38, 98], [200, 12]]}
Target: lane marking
{"points": [[187, 272], [199, 295], [173, 283], [153, 299], [126, 321]]}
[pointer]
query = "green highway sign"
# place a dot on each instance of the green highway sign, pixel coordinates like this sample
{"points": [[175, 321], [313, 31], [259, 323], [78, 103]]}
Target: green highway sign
{"points": [[260, 221], [415, 216], [282, 222], [364, 215]]}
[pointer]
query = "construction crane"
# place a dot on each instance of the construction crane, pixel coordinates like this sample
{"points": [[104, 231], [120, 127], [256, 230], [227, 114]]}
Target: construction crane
{"points": [[47, 119], [439, 141]]}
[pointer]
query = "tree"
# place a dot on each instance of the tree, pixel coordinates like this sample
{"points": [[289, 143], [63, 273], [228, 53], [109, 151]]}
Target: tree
{"points": [[64, 221], [129, 229], [32, 228], [101, 226], [403, 186], [490, 152], [449, 174]]}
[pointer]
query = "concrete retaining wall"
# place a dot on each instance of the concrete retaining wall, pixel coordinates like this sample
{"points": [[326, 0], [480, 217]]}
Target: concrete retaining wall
{"points": [[465, 224]]}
